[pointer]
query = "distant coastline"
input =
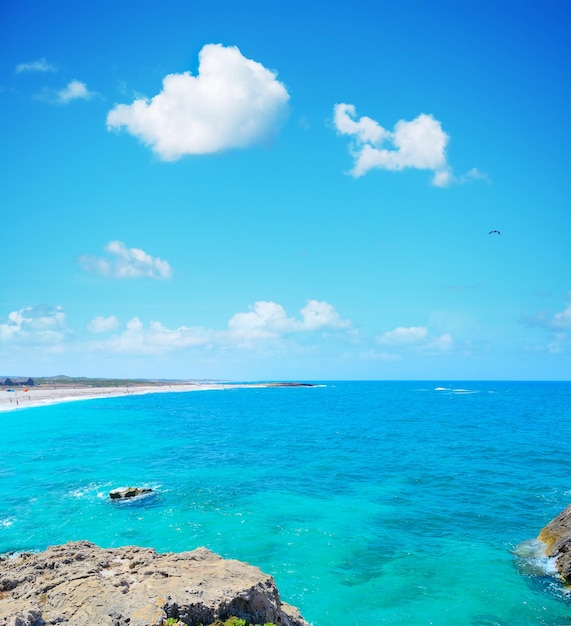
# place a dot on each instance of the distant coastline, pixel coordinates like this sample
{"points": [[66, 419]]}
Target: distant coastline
{"points": [[61, 389]]}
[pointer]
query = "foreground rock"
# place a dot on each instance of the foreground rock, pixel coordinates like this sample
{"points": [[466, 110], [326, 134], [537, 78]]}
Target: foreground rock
{"points": [[557, 538], [84, 585]]}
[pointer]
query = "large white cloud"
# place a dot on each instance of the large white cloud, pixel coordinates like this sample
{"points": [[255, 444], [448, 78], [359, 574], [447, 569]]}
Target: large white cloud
{"points": [[264, 322], [34, 325], [418, 144], [124, 262], [267, 319], [233, 102]]}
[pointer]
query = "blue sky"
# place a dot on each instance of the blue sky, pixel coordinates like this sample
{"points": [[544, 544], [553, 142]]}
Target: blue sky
{"points": [[261, 191]]}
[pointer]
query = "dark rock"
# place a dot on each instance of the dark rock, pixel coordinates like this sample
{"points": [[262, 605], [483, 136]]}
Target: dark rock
{"points": [[128, 492], [557, 539]]}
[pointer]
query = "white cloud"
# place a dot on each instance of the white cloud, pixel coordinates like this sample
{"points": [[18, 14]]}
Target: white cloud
{"points": [[127, 263], [41, 65], [154, 339], [558, 326], [101, 324], [74, 90], [233, 102], [268, 319], [418, 144], [562, 319], [317, 315], [404, 336], [264, 322], [416, 337], [264, 319], [34, 325]]}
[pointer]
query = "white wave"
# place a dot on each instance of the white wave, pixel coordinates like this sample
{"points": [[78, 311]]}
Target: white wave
{"points": [[533, 561], [6, 522], [92, 489]]}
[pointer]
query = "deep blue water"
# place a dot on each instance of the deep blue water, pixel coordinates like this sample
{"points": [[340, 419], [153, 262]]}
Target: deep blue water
{"points": [[369, 502]]}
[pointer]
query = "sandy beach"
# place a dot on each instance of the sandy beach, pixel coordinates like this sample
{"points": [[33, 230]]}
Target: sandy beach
{"points": [[27, 397]]}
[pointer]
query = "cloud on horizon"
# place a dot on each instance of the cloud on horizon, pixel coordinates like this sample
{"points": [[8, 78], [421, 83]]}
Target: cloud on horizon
{"points": [[264, 322], [233, 102], [558, 324], [415, 337], [153, 340], [39, 325], [40, 65], [417, 144], [123, 262]]}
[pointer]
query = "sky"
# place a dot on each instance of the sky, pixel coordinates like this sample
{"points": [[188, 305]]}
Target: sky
{"points": [[286, 191]]}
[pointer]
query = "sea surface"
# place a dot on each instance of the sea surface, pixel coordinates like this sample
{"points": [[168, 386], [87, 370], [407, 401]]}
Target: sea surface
{"points": [[370, 503]]}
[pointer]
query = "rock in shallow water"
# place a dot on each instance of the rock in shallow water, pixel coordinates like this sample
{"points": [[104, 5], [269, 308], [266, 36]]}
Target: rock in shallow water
{"points": [[557, 539], [81, 584]]}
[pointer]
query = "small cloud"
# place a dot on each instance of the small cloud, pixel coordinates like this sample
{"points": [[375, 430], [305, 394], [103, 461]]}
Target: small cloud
{"points": [[233, 102], [41, 65], [34, 325], [417, 144], [474, 174], [74, 90], [416, 337], [404, 336], [557, 326], [558, 344], [126, 262], [562, 319], [101, 324], [545, 319]]}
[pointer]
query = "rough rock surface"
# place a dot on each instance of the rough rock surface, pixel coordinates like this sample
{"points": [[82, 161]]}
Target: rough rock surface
{"points": [[81, 584], [128, 492], [557, 538]]}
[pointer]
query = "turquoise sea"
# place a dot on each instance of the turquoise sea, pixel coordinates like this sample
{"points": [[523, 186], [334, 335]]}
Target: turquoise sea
{"points": [[369, 502]]}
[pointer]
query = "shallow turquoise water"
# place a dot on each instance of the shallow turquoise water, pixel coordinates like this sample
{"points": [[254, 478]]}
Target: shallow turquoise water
{"points": [[370, 503]]}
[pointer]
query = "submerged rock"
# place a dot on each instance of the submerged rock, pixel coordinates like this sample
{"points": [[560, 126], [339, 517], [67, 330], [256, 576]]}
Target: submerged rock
{"points": [[81, 584], [557, 539], [128, 492]]}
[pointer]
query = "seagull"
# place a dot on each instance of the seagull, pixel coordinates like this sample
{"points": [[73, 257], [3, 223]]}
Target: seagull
{"points": [[494, 231]]}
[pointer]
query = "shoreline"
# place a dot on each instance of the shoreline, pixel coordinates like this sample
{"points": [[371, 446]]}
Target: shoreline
{"points": [[33, 397]]}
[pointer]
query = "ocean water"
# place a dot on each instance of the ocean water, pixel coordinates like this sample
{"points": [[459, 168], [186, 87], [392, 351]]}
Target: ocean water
{"points": [[370, 503]]}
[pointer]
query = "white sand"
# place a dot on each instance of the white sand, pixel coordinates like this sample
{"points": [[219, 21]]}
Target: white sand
{"points": [[19, 398]]}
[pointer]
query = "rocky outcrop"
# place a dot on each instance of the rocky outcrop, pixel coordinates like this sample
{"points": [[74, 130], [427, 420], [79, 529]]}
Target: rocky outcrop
{"points": [[557, 539], [81, 584], [128, 492]]}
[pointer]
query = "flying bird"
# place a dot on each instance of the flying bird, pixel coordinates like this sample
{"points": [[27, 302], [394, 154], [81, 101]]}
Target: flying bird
{"points": [[494, 231]]}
